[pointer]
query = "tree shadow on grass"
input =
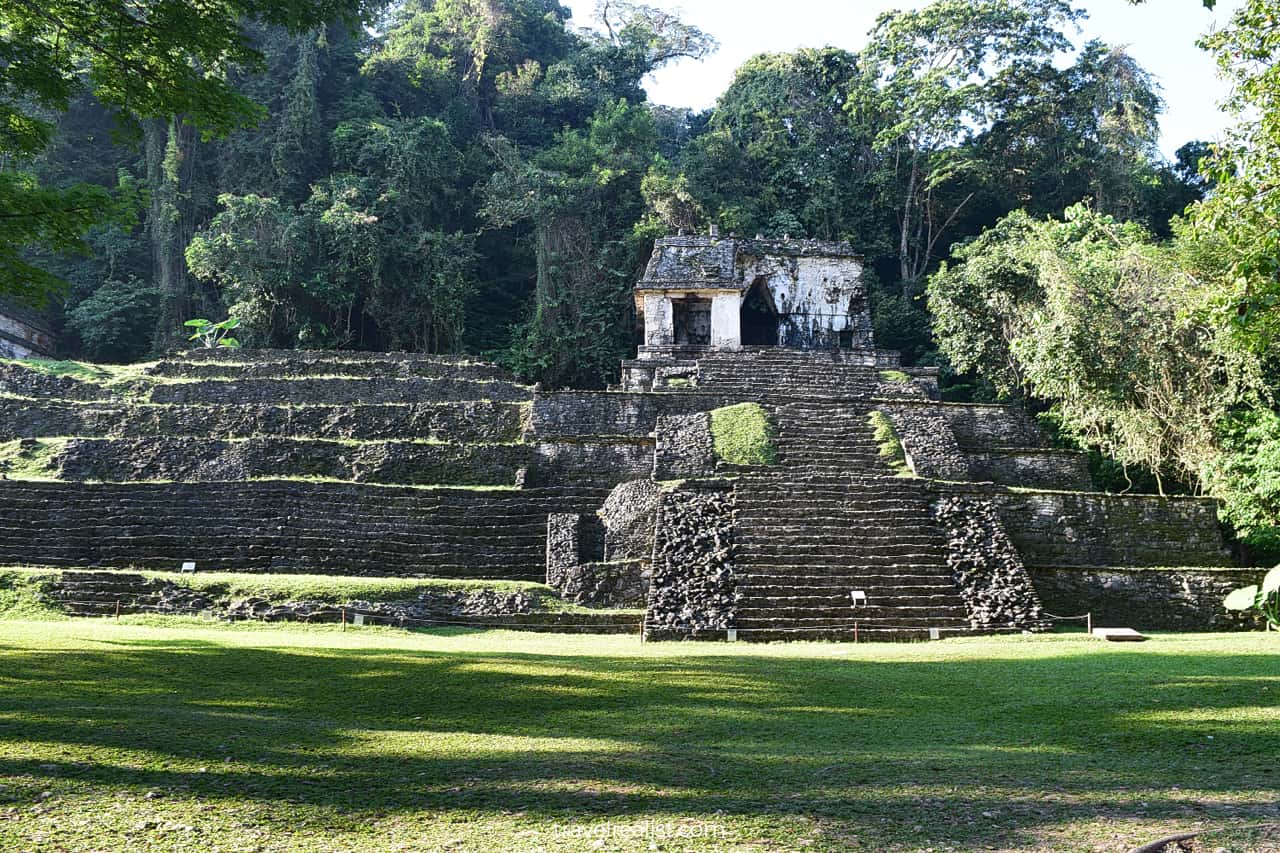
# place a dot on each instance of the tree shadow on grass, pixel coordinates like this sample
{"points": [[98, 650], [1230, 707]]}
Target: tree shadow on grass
{"points": [[843, 742]]}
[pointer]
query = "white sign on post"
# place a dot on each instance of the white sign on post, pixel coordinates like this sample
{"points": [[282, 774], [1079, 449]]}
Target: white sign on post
{"points": [[189, 567]]}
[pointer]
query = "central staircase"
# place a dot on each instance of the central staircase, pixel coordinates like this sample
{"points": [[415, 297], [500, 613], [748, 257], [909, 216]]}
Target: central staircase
{"points": [[831, 522], [764, 372]]}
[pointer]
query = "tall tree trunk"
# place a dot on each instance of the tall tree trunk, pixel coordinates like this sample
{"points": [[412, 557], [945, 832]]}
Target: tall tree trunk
{"points": [[169, 152]]}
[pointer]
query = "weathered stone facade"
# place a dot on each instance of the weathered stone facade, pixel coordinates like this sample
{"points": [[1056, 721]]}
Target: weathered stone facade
{"points": [[930, 446], [1182, 599], [684, 447], [692, 594], [994, 583]]}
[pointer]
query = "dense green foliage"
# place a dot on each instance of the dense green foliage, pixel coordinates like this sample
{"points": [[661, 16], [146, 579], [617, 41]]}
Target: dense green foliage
{"points": [[742, 435], [172, 735], [481, 175], [137, 61], [1156, 354]]}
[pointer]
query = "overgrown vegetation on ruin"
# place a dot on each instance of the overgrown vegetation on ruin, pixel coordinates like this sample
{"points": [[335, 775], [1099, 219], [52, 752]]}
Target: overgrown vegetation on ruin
{"points": [[742, 435], [890, 443]]}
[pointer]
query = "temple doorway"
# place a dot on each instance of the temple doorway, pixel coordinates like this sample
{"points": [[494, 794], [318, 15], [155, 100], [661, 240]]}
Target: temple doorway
{"points": [[759, 316], [691, 321]]}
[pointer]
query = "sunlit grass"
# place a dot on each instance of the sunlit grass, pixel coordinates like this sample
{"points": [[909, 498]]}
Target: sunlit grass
{"points": [[182, 737]]}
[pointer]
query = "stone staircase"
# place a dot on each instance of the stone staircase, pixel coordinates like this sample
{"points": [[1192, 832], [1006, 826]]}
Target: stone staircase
{"points": [[831, 521], [763, 372]]}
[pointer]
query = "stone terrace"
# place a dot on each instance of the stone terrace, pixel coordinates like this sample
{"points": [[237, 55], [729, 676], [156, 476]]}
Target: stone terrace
{"points": [[343, 463]]}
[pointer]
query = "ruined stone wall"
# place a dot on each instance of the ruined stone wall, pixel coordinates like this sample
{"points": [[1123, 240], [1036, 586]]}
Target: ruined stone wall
{"points": [[285, 526], [1151, 599], [566, 413], [23, 333], [981, 426], [628, 516], [309, 389], [684, 447], [1094, 529], [930, 445], [604, 463], [312, 364], [25, 382], [816, 298], [211, 460], [692, 593], [576, 572], [995, 586], [1035, 469]]}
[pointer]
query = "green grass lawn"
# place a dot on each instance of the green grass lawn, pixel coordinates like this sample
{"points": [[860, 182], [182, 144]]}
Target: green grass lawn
{"points": [[153, 735]]}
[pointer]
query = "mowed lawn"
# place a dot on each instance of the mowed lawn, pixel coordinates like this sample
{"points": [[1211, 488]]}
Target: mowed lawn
{"points": [[190, 736]]}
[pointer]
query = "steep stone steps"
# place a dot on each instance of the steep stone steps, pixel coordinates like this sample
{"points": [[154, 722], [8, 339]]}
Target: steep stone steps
{"points": [[833, 519], [763, 373]]}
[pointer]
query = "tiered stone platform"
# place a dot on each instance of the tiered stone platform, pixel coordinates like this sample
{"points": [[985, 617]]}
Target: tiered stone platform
{"points": [[343, 463], [418, 466]]}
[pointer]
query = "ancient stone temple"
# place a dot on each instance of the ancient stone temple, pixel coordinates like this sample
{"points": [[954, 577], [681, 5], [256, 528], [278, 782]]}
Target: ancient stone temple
{"points": [[701, 293], [24, 333], [878, 510]]}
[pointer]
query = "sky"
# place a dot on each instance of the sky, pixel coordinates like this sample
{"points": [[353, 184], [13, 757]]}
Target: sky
{"points": [[1160, 34]]}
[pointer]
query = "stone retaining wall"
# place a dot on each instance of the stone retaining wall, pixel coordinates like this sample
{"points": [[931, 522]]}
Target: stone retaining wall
{"points": [[209, 460], [565, 413], [25, 382], [985, 426], [1179, 599], [1094, 529], [314, 390], [603, 462], [1035, 468], [283, 526], [306, 365], [997, 592], [460, 421], [928, 442], [628, 515], [684, 447]]}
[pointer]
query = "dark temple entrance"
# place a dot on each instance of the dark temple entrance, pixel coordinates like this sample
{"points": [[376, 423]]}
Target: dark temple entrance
{"points": [[691, 319], [759, 318]]}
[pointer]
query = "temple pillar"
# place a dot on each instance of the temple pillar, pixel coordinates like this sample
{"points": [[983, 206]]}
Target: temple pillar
{"points": [[659, 328], [726, 321]]}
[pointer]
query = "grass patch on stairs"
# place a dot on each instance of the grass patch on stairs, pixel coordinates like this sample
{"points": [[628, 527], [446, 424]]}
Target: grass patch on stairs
{"points": [[891, 452], [30, 458], [22, 594], [743, 435]]}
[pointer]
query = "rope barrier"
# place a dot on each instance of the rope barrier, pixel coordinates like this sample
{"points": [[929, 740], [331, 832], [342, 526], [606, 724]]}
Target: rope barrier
{"points": [[1087, 617]]}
